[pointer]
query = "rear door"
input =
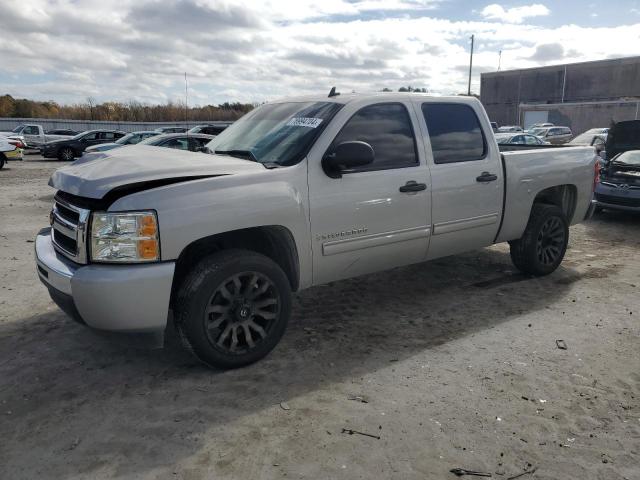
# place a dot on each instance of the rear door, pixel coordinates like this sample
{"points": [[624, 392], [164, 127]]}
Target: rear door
{"points": [[369, 220], [466, 177]]}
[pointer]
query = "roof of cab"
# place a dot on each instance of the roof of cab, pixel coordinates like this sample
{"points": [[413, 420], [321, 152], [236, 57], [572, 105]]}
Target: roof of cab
{"points": [[345, 98]]}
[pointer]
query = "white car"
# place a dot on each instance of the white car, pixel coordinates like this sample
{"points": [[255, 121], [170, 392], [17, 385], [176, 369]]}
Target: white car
{"points": [[10, 149]]}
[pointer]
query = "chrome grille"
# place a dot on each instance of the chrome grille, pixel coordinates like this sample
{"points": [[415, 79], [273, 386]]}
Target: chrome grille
{"points": [[69, 224]]}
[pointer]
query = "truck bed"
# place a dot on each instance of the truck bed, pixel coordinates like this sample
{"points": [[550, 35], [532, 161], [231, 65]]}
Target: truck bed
{"points": [[531, 170]]}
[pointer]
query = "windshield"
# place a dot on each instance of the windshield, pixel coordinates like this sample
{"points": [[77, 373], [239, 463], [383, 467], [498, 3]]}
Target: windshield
{"points": [[126, 139], [18, 129], [628, 158], [279, 133], [539, 131], [78, 136], [584, 138]]}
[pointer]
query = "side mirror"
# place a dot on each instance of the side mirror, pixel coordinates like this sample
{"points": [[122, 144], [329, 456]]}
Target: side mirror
{"points": [[346, 156], [202, 149]]}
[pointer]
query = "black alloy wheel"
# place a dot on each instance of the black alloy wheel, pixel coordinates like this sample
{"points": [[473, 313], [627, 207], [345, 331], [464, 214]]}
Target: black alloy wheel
{"points": [[241, 312]]}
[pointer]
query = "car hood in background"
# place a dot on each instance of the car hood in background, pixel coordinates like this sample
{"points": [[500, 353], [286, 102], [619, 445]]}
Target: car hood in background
{"points": [[622, 137], [56, 142], [103, 146], [138, 164]]}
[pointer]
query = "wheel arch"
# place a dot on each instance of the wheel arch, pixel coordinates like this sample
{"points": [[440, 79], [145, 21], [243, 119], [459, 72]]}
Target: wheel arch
{"points": [[274, 241], [563, 196]]}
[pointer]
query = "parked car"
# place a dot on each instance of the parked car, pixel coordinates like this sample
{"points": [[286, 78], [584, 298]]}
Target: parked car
{"points": [[33, 135], [542, 125], [297, 193], [619, 186], [128, 139], [519, 139], [171, 129], [554, 135], [509, 129], [494, 126], [10, 149], [180, 141], [73, 147], [209, 129], [62, 131]]}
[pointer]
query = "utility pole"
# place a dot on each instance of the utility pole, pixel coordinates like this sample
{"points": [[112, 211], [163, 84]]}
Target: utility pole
{"points": [[186, 99], [470, 66], [499, 60]]}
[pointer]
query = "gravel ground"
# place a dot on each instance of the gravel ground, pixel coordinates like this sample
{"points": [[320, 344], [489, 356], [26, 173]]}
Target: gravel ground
{"points": [[451, 364]]}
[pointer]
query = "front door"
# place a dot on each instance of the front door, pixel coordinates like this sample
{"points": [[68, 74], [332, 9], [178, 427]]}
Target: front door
{"points": [[377, 216], [31, 135], [466, 178]]}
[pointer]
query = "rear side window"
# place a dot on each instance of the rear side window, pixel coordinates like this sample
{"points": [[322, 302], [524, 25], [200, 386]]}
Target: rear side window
{"points": [[455, 132], [387, 128], [177, 143]]}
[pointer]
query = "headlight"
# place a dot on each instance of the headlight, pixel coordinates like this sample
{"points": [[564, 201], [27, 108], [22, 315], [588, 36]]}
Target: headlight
{"points": [[124, 237]]}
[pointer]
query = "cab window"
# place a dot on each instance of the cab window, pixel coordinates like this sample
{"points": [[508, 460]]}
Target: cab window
{"points": [[387, 128], [455, 132]]}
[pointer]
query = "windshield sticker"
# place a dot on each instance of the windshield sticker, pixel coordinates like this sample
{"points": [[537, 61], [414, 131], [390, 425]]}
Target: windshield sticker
{"points": [[304, 122]]}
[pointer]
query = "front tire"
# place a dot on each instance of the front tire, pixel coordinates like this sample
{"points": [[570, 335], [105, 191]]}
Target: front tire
{"points": [[543, 245], [233, 308], [66, 155], [2, 160]]}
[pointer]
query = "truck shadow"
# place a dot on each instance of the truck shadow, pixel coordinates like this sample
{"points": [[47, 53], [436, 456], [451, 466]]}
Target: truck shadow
{"points": [[73, 397]]}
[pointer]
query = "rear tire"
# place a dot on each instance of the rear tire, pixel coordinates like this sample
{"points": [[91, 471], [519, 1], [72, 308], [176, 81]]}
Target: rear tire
{"points": [[543, 245], [66, 155], [233, 308], [2, 160]]}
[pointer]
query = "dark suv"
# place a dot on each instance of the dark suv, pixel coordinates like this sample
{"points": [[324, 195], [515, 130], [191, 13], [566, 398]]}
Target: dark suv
{"points": [[70, 148]]}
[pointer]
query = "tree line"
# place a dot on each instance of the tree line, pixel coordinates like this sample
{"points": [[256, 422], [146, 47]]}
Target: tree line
{"points": [[131, 111]]}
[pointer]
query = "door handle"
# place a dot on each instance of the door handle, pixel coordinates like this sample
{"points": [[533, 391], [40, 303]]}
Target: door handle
{"points": [[486, 177], [413, 186]]}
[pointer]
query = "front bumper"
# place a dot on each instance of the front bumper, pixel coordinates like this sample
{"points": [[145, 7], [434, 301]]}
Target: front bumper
{"points": [[618, 198], [48, 152], [114, 298]]}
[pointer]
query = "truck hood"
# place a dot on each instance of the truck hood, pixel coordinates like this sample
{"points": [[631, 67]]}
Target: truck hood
{"points": [[143, 166]]}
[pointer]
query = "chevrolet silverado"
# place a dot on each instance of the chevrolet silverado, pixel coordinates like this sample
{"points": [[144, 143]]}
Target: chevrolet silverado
{"points": [[299, 192]]}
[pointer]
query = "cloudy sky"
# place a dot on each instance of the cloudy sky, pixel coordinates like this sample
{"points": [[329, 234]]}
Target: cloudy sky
{"points": [[232, 50]]}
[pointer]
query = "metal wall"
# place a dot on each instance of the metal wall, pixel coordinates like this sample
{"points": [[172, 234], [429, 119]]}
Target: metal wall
{"points": [[7, 124], [588, 83], [583, 116]]}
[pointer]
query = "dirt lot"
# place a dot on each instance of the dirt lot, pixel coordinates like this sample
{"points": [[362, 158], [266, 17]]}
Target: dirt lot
{"points": [[452, 364]]}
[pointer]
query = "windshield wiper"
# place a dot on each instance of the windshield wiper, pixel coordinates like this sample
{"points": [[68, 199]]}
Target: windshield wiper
{"points": [[244, 154]]}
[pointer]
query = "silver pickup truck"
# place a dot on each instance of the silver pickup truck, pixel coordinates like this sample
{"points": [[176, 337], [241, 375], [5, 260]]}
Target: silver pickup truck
{"points": [[297, 193], [34, 135]]}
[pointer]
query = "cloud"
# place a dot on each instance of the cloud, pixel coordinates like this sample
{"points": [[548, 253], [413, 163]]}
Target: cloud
{"points": [[515, 14], [548, 52], [234, 50]]}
